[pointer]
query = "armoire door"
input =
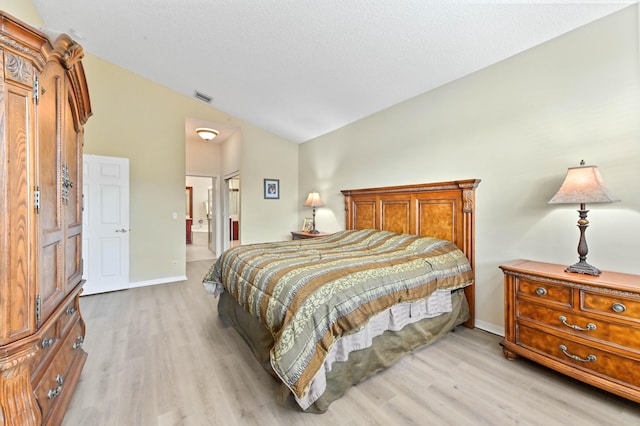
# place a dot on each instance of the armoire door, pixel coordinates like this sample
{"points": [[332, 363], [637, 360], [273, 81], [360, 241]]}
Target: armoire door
{"points": [[18, 288], [59, 181]]}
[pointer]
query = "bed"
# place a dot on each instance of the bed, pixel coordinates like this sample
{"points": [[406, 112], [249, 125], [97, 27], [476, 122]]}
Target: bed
{"points": [[323, 314]]}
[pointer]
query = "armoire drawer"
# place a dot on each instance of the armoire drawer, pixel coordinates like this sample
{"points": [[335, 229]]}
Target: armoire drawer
{"points": [[606, 364], [52, 384], [68, 317], [607, 332], [47, 345]]}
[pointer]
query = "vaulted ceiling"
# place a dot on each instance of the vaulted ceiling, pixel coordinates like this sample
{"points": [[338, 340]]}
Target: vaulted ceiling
{"points": [[303, 68]]}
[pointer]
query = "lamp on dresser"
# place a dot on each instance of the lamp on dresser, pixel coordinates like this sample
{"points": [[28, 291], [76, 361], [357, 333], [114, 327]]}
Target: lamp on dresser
{"points": [[582, 185], [313, 200]]}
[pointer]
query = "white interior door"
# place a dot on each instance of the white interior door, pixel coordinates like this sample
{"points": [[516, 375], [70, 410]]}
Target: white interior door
{"points": [[105, 226]]}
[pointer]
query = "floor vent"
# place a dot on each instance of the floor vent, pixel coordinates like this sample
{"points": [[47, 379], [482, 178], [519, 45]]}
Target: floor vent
{"points": [[202, 97]]}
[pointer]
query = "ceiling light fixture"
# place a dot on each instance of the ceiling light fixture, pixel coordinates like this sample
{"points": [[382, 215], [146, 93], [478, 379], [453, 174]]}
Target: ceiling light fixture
{"points": [[206, 133]]}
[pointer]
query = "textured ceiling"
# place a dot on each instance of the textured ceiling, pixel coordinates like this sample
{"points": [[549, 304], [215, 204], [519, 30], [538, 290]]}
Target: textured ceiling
{"points": [[304, 68]]}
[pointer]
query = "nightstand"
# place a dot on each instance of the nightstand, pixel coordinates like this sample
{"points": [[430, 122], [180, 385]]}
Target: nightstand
{"points": [[302, 235], [580, 325]]}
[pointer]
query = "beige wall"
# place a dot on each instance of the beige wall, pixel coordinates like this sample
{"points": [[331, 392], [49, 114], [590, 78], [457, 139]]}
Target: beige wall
{"points": [[517, 126], [270, 157], [23, 10], [136, 118]]}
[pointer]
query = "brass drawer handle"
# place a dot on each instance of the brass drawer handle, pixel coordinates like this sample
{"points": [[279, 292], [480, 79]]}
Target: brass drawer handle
{"points": [[541, 291], [55, 392], [46, 342], [589, 358], [619, 308], [590, 325]]}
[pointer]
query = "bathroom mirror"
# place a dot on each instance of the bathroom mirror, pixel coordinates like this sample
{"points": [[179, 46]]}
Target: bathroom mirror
{"points": [[189, 202]]}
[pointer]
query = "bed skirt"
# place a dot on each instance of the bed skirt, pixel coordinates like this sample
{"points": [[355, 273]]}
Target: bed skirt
{"points": [[386, 349]]}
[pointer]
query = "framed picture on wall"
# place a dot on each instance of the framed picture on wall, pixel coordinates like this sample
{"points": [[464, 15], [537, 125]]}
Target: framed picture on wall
{"points": [[307, 224], [272, 188]]}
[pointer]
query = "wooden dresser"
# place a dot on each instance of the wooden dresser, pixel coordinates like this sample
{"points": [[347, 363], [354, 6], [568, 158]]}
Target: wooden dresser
{"points": [[44, 105], [584, 326]]}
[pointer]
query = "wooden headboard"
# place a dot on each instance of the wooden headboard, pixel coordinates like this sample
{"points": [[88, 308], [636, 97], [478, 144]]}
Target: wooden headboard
{"points": [[443, 210]]}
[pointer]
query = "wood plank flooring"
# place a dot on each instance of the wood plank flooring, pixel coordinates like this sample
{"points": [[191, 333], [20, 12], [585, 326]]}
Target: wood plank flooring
{"points": [[159, 356]]}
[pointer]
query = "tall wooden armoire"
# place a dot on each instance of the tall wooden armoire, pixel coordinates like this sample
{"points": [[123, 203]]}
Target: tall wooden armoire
{"points": [[44, 103]]}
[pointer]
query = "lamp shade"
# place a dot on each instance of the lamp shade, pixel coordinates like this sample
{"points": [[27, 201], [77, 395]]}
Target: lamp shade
{"points": [[313, 200], [583, 185], [206, 133]]}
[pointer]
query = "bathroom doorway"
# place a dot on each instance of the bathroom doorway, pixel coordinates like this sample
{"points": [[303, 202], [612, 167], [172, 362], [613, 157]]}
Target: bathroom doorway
{"points": [[233, 185], [203, 218]]}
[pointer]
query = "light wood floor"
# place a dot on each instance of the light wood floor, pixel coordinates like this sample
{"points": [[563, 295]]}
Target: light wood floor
{"points": [[159, 356]]}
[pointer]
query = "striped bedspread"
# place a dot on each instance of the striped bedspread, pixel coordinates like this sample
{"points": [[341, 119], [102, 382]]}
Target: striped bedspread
{"points": [[308, 293]]}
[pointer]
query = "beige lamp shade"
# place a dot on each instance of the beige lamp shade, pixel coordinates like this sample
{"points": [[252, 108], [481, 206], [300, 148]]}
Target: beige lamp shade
{"points": [[583, 185], [313, 200]]}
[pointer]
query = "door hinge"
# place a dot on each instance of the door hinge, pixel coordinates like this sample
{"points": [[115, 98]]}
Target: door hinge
{"points": [[36, 90], [38, 310], [36, 199]]}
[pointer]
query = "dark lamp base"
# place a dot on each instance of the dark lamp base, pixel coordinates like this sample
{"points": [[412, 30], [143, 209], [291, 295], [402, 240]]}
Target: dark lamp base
{"points": [[314, 231], [583, 268]]}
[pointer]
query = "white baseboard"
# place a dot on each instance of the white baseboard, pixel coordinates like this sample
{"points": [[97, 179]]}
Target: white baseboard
{"points": [[165, 280], [491, 328]]}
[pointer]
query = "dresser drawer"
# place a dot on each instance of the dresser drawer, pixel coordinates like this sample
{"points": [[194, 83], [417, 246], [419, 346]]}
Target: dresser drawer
{"points": [[617, 367], [611, 333], [545, 291], [52, 383], [610, 305]]}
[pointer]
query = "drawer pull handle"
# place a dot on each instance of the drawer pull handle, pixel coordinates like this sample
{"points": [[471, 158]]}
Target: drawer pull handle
{"points": [[46, 342], [541, 291], [590, 325], [78, 344], [589, 358], [619, 308], [70, 310], [55, 392]]}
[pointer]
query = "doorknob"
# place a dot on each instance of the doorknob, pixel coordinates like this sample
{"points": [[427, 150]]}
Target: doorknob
{"points": [[121, 230]]}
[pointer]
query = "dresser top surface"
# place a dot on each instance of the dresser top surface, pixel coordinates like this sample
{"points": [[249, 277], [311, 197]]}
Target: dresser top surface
{"points": [[608, 279]]}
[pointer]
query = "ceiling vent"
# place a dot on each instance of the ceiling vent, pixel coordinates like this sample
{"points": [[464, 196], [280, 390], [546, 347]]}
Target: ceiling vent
{"points": [[202, 97]]}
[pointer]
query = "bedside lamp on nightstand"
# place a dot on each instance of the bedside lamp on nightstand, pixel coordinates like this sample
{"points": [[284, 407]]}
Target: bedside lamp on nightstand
{"points": [[313, 200], [583, 185]]}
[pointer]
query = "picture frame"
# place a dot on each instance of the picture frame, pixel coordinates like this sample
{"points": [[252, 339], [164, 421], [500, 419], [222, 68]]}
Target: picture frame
{"points": [[272, 189], [307, 224]]}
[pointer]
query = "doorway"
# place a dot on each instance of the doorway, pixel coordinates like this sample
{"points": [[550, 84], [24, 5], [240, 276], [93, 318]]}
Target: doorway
{"points": [[203, 218], [231, 212]]}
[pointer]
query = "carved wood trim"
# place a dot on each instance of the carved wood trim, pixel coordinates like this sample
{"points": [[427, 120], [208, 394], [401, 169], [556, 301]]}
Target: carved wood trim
{"points": [[18, 69], [593, 289], [18, 405]]}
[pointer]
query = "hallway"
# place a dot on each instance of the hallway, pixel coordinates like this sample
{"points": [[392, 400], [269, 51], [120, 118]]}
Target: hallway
{"points": [[198, 249]]}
